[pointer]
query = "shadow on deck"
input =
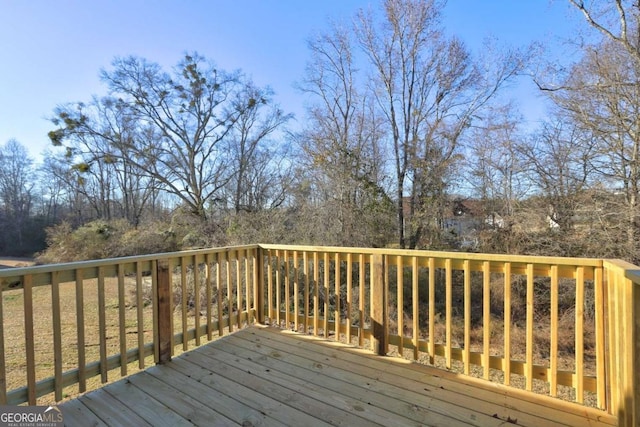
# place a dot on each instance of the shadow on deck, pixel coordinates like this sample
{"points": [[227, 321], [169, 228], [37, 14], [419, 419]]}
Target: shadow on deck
{"points": [[265, 376]]}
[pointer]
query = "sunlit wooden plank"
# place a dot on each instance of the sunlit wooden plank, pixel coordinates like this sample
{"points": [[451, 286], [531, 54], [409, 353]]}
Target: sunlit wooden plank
{"points": [[614, 339], [378, 305], [432, 310], [278, 288], [325, 283], [209, 293], [600, 338], [183, 306], [486, 317], [361, 300], [305, 273], [287, 291], [255, 303], [296, 291], [529, 328], [219, 263], [336, 311], [507, 324], [247, 286], [385, 306], [579, 335], [349, 294], [238, 292], [553, 351], [29, 339], [415, 298], [227, 267], [170, 268], [57, 336], [467, 318], [316, 293], [102, 326], [400, 299], [82, 377], [270, 287], [3, 368], [122, 322], [140, 315], [447, 311], [154, 291], [196, 299]]}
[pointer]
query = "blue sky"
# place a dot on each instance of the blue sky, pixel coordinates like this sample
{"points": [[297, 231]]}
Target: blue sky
{"points": [[51, 51]]}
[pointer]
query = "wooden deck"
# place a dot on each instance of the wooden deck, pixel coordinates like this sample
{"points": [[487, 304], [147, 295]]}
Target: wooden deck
{"points": [[265, 376]]}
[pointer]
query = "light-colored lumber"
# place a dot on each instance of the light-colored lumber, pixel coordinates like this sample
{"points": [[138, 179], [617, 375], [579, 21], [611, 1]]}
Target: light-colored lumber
{"points": [[486, 318], [529, 329], [29, 340], [109, 411], [57, 336], [505, 401], [190, 401], [506, 367], [553, 329], [122, 332], [75, 413], [467, 318], [139, 312]]}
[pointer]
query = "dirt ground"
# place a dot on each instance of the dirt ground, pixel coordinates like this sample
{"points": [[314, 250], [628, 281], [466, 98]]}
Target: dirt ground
{"points": [[6, 262]]}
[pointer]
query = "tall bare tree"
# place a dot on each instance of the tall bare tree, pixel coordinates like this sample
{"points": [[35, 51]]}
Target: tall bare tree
{"points": [[254, 158], [495, 166], [560, 160], [97, 160], [178, 121], [606, 81], [16, 194], [428, 88], [601, 95], [342, 144]]}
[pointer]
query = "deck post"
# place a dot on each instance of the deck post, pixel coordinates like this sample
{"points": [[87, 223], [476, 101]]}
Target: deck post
{"points": [[378, 306], [633, 283], [164, 302], [623, 346], [259, 286]]}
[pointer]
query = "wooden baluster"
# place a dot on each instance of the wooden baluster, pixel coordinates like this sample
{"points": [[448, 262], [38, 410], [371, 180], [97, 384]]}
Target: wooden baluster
{"points": [[164, 303]]}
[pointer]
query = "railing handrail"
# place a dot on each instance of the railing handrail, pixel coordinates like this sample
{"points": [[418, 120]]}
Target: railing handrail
{"points": [[472, 256], [10, 277], [12, 274]]}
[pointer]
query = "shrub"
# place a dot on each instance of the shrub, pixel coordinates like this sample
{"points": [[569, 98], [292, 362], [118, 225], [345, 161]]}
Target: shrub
{"points": [[105, 239]]}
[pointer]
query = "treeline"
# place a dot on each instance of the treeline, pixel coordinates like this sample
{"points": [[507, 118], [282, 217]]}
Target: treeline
{"points": [[407, 142]]}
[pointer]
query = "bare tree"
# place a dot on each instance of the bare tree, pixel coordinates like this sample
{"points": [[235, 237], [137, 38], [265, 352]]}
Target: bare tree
{"points": [[179, 123], [495, 165], [560, 161], [97, 159], [601, 95], [428, 89], [16, 194], [342, 145], [253, 158], [616, 20]]}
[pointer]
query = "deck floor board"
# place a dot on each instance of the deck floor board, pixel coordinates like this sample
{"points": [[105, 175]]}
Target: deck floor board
{"points": [[262, 376]]}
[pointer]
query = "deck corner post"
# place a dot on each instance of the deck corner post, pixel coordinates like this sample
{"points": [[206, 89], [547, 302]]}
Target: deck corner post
{"points": [[379, 306], [259, 297], [635, 351], [164, 302]]}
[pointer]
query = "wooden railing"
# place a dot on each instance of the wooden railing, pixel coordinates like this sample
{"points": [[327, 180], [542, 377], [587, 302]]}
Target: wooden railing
{"points": [[565, 327], [65, 324]]}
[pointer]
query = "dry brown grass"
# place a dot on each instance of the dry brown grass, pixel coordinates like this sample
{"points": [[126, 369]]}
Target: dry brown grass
{"points": [[14, 330]]}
